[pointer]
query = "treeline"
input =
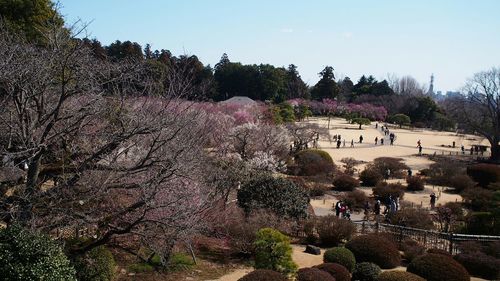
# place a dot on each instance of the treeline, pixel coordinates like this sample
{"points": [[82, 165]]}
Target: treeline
{"points": [[227, 79]]}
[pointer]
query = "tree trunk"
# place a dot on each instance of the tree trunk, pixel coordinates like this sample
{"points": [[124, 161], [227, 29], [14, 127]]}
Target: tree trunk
{"points": [[495, 151], [25, 212]]}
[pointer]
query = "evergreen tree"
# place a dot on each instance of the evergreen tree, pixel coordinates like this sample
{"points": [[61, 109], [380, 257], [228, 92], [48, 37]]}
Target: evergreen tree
{"points": [[326, 88]]}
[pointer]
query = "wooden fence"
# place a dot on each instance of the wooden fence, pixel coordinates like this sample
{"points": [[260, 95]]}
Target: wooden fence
{"points": [[427, 238]]}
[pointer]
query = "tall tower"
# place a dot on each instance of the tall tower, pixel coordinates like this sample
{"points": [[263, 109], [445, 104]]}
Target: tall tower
{"points": [[431, 87]]}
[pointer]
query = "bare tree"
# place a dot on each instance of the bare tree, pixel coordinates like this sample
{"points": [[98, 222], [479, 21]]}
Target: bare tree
{"points": [[405, 85], [95, 157], [479, 108]]}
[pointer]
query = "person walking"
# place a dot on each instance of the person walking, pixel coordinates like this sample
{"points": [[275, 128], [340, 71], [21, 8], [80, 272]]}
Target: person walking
{"points": [[381, 141], [338, 205], [433, 200], [420, 150], [361, 139], [376, 140], [387, 174], [338, 143], [376, 125], [419, 143], [410, 172], [366, 208], [352, 143], [463, 149]]}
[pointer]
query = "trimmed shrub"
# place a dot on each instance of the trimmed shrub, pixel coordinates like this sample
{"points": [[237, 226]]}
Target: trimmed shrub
{"points": [[442, 172], [30, 256], [434, 267], [313, 274], [263, 275], [370, 176], [439, 252], [280, 195], [478, 199], [383, 190], [366, 271], [484, 174], [415, 183], [96, 265], [396, 166], [375, 248], [399, 276], [273, 251], [461, 182], [480, 265], [344, 182], [339, 272], [333, 230], [311, 162], [340, 255], [411, 252], [413, 217], [355, 199]]}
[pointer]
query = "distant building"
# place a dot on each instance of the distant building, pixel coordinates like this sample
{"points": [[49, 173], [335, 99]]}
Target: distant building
{"points": [[430, 92], [451, 94], [239, 100]]}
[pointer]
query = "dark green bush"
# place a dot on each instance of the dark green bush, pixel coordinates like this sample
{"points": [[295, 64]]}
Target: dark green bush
{"points": [[442, 172], [480, 265], [370, 176], [333, 230], [485, 223], [415, 183], [478, 199], [484, 174], [273, 251], [344, 182], [375, 248], [434, 267], [311, 162], [313, 274], [263, 275], [399, 276], [383, 190], [340, 255], [96, 265], [339, 272], [366, 271], [280, 195], [31, 256]]}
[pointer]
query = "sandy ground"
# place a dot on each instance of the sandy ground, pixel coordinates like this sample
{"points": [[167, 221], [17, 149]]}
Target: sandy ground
{"points": [[404, 147]]}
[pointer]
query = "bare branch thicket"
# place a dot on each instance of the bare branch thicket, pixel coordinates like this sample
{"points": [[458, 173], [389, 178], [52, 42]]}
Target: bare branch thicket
{"points": [[96, 157], [478, 110]]}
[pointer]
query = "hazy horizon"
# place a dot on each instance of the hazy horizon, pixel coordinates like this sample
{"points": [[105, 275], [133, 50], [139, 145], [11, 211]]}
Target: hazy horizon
{"points": [[452, 39]]}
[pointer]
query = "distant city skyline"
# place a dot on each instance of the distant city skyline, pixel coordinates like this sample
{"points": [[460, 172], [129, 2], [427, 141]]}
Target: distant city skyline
{"points": [[452, 39]]}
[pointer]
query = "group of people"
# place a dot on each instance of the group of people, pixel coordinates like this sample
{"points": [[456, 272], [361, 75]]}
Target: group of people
{"points": [[342, 210]]}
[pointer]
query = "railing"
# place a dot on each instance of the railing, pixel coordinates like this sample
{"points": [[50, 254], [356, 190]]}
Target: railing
{"points": [[427, 238]]}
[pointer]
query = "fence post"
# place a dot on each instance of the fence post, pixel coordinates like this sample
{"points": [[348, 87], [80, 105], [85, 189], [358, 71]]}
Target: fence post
{"points": [[450, 238], [400, 235], [425, 238]]}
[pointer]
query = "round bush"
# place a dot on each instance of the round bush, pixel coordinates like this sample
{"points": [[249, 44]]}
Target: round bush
{"points": [[366, 271], [375, 248], [340, 255], [311, 162], [280, 195], [434, 267], [399, 276], [411, 252], [263, 275], [332, 230], [273, 251], [383, 190], [370, 176], [30, 256], [415, 183], [344, 182], [313, 274], [480, 265], [439, 252], [97, 265], [339, 272], [484, 174]]}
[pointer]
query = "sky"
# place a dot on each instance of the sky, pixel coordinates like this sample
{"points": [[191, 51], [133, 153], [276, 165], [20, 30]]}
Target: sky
{"points": [[453, 39]]}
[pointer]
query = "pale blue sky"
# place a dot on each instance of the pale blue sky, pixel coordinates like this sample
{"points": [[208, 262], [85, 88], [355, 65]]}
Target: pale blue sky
{"points": [[451, 38]]}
